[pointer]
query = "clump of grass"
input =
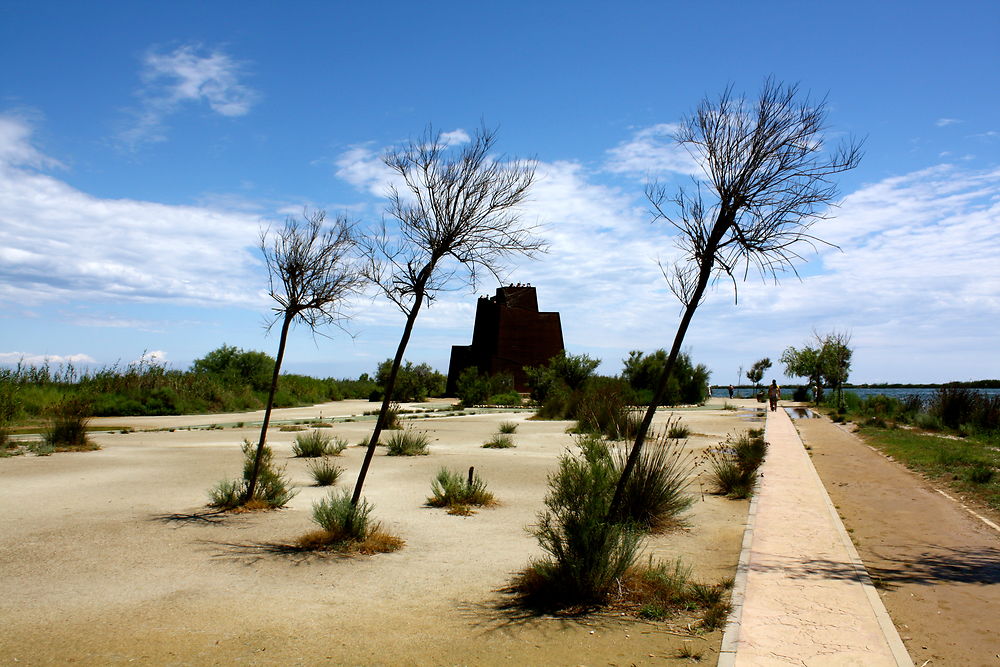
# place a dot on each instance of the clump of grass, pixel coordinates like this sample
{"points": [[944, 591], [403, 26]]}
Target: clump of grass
{"points": [[68, 429], [315, 444], [687, 652], [347, 527], [655, 496], [507, 427], [657, 591], [341, 519], [677, 430], [292, 427], [273, 488], [324, 472], [392, 421], [735, 462], [408, 443], [41, 448], [981, 474], [456, 492], [311, 445], [499, 441]]}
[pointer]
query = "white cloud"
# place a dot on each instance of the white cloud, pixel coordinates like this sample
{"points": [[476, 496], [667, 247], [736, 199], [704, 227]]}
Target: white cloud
{"points": [[455, 138], [58, 243], [652, 151], [186, 75], [945, 122], [32, 359], [363, 168]]}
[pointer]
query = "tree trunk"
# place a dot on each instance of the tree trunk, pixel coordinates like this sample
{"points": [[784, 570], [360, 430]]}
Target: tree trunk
{"points": [[252, 485], [704, 275], [397, 361]]}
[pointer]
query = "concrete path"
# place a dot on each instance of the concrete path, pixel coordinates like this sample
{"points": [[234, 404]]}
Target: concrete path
{"points": [[802, 594]]}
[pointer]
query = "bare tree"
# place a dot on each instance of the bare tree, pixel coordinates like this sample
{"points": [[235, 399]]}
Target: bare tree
{"points": [[458, 210], [311, 273], [769, 174]]}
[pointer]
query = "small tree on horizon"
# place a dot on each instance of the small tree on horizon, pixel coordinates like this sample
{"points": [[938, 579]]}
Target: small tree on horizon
{"points": [[756, 372], [310, 274], [458, 211], [767, 169]]}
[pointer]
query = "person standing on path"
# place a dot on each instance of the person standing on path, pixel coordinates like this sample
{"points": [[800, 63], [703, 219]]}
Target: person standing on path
{"points": [[773, 394]]}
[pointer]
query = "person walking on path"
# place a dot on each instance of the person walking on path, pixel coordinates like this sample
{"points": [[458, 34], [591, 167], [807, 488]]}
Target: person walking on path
{"points": [[773, 394]]}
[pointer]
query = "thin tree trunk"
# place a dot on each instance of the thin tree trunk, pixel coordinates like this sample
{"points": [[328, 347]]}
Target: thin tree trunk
{"points": [[252, 486], [397, 361], [694, 299]]}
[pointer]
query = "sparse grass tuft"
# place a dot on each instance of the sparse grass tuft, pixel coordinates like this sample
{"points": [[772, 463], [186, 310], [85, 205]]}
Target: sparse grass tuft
{"points": [[499, 441], [453, 490], [687, 652], [507, 427], [408, 443], [677, 431], [324, 472], [291, 427]]}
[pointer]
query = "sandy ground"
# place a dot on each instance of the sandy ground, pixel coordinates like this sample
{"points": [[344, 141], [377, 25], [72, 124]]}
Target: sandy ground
{"points": [[938, 568], [96, 569]]}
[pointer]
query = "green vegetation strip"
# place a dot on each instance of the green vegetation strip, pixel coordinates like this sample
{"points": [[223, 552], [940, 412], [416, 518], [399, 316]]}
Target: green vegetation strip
{"points": [[969, 465]]}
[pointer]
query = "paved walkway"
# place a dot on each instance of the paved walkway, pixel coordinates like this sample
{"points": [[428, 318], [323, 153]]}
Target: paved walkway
{"points": [[802, 595]]}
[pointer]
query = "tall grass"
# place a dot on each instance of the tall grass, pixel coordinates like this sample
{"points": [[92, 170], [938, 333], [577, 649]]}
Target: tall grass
{"points": [[655, 497], [68, 429], [734, 463], [147, 387]]}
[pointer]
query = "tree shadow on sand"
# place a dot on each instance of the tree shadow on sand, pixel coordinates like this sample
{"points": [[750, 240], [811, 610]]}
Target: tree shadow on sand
{"points": [[933, 566], [254, 552], [214, 516], [941, 564]]}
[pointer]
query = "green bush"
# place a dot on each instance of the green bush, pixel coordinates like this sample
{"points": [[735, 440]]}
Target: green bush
{"points": [[342, 520], [413, 383], [408, 443], [475, 389], [453, 489], [324, 472], [586, 553], [687, 383], [499, 441], [508, 399], [604, 406]]}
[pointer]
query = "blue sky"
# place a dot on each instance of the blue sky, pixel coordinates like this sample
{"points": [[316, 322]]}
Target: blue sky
{"points": [[144, 145]]}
